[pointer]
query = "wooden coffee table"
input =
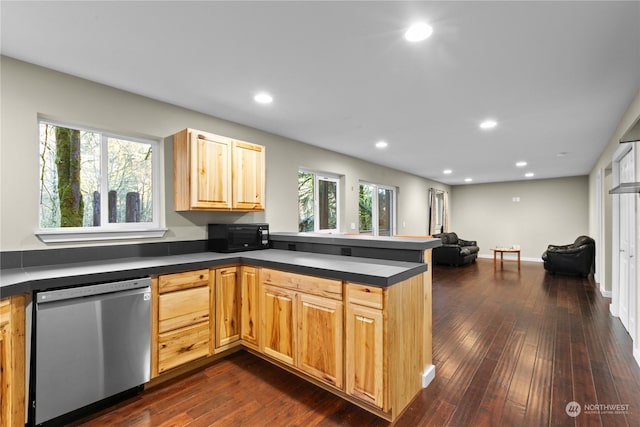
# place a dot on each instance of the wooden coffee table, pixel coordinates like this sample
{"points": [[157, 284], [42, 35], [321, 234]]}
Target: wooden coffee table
{"points": [[502, 251]]}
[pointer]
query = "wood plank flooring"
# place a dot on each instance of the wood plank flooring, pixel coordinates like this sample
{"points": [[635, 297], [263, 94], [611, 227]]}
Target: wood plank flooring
{"points": [[510, 349]]}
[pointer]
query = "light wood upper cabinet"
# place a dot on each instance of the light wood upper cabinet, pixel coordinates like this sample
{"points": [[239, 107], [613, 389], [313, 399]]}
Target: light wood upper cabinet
{"points": [[250, 308], [227, 298], [248, 181], [12, 361], [210, 167], [213, 172]]}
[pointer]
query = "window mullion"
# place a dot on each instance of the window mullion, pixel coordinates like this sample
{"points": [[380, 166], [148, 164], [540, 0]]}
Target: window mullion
{"points": [[316, 203], [374, 210], [104, 181]]}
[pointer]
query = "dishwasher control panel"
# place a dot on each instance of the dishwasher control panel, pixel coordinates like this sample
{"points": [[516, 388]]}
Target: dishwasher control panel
{"points": [[86, 291]]}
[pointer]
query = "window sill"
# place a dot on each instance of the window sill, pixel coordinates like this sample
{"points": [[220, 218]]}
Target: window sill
{"points": [[84, 235]]}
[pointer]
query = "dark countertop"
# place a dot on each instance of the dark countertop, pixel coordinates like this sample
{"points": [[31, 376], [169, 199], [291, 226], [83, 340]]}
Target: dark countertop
{"points": [[396, 242], [368, 271]]}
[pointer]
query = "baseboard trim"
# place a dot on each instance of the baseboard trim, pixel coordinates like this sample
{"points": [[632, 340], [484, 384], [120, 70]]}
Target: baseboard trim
{"points": [[604, 292], [428, 375], [490, 256]]}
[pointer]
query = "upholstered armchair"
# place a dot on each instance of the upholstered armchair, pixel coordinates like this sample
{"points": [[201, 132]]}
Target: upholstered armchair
{"points": [[575, 258], [455, 251]]}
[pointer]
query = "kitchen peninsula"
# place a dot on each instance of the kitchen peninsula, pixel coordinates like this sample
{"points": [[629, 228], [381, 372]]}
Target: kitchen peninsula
{"points": [[352, 314]]}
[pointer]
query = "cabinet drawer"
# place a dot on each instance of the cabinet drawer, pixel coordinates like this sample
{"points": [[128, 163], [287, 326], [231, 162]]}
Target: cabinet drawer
{"points": [[308, 284], [368, 296], [183, 308], [183, 345], [186, 280]]}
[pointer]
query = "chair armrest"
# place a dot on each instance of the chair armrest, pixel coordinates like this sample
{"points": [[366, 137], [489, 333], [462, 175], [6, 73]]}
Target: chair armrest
{"points": [[462, 242]]}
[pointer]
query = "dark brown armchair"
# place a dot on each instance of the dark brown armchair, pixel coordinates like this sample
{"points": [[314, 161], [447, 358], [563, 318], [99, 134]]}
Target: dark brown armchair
{"points": [[575, 258]]}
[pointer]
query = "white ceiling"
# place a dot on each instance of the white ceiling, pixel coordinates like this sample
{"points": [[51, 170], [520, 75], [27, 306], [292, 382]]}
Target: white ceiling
{"points": [[557, 76]]}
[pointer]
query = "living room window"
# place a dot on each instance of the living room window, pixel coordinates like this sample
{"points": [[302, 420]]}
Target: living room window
{"points": [[318, 201], [96, 185], [377, 209]]}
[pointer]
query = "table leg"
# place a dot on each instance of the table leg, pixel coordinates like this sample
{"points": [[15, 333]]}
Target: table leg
{"points": [[494, 260], [518, 260]]}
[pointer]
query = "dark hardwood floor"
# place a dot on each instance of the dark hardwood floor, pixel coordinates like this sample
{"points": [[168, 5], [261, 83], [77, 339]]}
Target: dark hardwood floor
{"points": [[510, 349]]}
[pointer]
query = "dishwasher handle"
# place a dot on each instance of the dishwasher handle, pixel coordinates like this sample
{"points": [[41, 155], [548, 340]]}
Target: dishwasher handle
{"points": [[87, 291]]}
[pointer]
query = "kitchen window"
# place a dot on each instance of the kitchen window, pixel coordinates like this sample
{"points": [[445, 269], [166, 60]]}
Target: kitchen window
{"points": [[377, 209], [318, 201], [96, 185]]}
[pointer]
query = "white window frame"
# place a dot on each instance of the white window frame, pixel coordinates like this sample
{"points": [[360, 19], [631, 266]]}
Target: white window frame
{"points": [[109, 231], [374, 207], [322, 176]]}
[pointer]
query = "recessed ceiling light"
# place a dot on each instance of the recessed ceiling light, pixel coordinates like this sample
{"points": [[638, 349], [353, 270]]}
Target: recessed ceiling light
{"points": [[447, 171], [263, 98], [529, 174], [418, 32], [468, 180], [521, 164], [381, 144], [488, 124]]}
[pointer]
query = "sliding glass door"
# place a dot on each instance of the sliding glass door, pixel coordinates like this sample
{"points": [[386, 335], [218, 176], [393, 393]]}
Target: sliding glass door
{"points": [[377, 209]]}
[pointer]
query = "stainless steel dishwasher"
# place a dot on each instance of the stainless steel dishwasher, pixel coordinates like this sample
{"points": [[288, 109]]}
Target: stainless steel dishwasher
{"points": [[91, 343]]}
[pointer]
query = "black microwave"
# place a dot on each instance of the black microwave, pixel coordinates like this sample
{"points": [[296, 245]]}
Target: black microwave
{"points": [[238, 237]]}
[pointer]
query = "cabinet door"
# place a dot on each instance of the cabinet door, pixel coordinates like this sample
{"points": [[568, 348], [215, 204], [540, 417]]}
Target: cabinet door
{"points": [[210, 171], [5, 363], [278, 306], [320, 338], [364, 355], [249, 306], [248, 176], [227, 301], [12, 361]]}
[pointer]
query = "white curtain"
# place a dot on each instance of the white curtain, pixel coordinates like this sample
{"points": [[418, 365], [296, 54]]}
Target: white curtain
{"points": [[432, 212], [445, 214]]}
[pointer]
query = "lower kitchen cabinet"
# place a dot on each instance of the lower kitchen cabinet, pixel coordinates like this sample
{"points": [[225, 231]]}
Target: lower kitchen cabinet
{"points": [[12, 358], [384, 343], [278, 323], [320, 338], [227, 302], [303, 323], [365, 354], [365, 343], [182, 313], [249, 306]]}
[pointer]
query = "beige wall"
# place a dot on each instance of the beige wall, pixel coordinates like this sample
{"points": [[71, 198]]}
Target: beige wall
{"points": [[550, 211], [602, 164], [28, 91]]}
